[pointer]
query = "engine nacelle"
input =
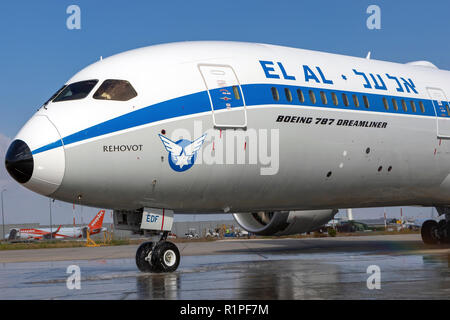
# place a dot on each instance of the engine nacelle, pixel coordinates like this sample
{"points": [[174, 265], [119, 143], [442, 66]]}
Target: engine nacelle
{"points": [[279, 223], [84, 232], [13, 234]]}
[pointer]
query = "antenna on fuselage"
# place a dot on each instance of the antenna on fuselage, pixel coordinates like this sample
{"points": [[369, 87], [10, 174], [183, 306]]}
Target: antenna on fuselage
{"points": [[368, 55]]}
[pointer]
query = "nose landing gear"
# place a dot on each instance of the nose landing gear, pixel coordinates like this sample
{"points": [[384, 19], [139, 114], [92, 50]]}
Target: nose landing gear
{"points": [[161, 256], [157, 255]]}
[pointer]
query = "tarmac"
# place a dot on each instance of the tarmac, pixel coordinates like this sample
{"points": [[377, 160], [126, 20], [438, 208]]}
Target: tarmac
{"points": [[312, 268]]}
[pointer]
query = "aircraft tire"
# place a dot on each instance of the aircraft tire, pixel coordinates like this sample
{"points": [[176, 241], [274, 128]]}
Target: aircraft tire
{"points": [[165, 257], [429, 232], [143, 257], [444, 231]]}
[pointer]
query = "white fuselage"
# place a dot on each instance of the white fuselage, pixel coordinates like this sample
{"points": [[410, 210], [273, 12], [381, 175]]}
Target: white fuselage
{"points": [[63, 233], [300, 152]]}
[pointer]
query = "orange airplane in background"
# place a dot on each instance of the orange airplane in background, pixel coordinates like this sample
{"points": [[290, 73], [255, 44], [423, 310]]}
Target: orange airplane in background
{"points": [[94, 227]]}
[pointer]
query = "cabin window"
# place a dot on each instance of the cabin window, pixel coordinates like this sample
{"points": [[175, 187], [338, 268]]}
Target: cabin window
{"points": [[300, 95], [312, 97], [275, 94], [404, 106], [237, 96], [386, 104], [366, 102], [413, 106], [394, 103], [323, 96], [116, 90], [334, 98], [76, 91], [288, 94], [355, 100], [345, 99], [422, 107]]}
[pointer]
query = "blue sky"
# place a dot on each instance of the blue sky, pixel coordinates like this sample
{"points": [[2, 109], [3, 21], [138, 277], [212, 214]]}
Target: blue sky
{"points": [[38, 53]]}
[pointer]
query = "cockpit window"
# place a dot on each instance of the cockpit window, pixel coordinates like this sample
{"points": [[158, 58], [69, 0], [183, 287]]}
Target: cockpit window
{"points": [[119, 90], [76, 90], [54, 95]]}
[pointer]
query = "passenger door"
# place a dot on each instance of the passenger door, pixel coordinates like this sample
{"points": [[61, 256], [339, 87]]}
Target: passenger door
{"points": [[442, 110], [225, 95]]}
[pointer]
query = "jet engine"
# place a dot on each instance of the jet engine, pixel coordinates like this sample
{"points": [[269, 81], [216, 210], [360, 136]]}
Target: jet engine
{"points": [[13, 234], [278, 223], [84, 232]]}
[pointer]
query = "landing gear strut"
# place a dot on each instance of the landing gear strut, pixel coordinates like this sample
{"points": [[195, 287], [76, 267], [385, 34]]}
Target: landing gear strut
{"points": [[161, 256], [436, 232], [157, 255]]}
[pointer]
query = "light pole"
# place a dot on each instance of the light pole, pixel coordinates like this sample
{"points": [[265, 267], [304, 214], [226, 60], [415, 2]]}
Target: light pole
{"points": [[3, 216], [50, 207]]}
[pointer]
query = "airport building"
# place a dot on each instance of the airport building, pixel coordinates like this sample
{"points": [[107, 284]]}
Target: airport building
{"points": [[182, 229]]}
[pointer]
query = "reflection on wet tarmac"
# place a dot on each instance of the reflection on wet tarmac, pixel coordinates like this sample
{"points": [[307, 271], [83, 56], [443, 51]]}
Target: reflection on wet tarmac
{"points": [[437, 259], [158, 286], [249, 276]]}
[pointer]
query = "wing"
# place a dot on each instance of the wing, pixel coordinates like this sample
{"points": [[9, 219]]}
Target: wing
{"points": [[189, 150], [171, 146]]}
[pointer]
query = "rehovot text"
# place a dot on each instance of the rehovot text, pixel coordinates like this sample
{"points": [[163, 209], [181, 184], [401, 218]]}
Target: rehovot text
{"points": [[123, 148]]}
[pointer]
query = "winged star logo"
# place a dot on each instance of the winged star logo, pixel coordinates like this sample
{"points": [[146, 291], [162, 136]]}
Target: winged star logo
{"points": [[182, 154]]}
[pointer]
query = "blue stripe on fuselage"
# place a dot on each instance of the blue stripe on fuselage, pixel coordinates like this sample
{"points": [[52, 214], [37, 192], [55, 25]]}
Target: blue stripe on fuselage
{"points": [[186, 105], [254, 94], [261, 94]]}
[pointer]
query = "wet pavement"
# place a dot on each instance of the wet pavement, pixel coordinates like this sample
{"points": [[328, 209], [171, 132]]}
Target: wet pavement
{"points": [[311, 271]]}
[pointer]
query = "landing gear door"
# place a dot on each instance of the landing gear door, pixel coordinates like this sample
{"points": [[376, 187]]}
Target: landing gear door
{"points": [[157, 219], [441, 106], [225, 95]]}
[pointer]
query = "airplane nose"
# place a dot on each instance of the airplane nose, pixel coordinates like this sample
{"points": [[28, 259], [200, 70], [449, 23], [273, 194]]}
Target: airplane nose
{"points": [[19, 161], [36, 157]]}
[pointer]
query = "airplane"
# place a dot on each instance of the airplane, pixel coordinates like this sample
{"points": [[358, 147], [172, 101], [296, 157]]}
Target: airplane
{"points": [[94, 227], [31, 233], [279, 137]]}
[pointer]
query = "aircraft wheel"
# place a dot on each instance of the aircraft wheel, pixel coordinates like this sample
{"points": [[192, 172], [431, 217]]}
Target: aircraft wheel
{"points": [[430, 232], [444, 230], [143, 257], [165, 257]]}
